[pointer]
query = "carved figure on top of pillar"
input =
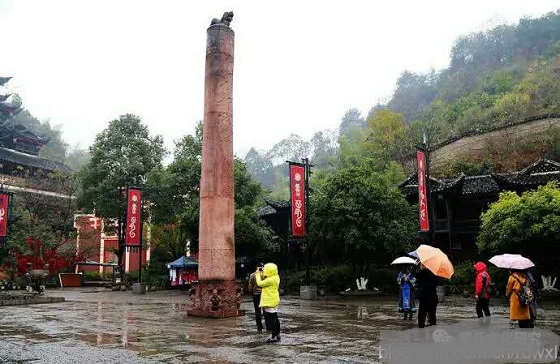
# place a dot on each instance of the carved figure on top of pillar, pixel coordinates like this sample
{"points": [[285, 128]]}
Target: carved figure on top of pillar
{"points": [[217, 294], [226, 19]]}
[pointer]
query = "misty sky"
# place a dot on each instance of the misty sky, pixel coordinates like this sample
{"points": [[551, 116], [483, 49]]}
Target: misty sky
{"points": [[299, 65]]}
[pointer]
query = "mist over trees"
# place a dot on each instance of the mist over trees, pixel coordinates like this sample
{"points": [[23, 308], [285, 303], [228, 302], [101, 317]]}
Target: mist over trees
{"points": [[495, 77]]}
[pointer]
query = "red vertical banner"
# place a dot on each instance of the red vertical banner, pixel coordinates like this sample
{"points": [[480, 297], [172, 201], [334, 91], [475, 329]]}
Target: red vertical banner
{"points": [[422, 194], [297, 193], [133, 217], [4, 204]]}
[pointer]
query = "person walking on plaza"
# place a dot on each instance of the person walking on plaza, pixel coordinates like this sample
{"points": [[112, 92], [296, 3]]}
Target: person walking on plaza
{"points": [[256, 294], [269, 281], [517, 309], [481, 290], [427, 296], [406, 280]]}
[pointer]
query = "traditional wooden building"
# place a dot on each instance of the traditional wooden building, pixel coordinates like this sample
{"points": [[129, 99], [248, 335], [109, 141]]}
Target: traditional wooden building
{"points": [[21, 167], [456, 204], [276, 214]]}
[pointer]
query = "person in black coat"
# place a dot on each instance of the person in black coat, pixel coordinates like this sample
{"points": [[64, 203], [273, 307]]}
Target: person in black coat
{"points": [[426, 282]]}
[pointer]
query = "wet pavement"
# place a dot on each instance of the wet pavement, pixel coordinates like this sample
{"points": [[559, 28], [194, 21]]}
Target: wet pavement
{"points": [[96, 325]]}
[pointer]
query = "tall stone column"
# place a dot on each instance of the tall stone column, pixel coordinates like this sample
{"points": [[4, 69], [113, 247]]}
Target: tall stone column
{"points": [[217, 294]]}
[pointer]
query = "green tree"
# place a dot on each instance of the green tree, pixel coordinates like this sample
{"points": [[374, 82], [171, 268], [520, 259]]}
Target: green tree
{"points": [[528, 224], [386, 134], [260, 167], [77, 158], [122, 155], [175, 199], [360, 217], [351, 121]]}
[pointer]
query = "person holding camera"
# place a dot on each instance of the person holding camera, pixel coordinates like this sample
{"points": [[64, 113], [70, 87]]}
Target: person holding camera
{"points": [[256, 294], [269, 281]]}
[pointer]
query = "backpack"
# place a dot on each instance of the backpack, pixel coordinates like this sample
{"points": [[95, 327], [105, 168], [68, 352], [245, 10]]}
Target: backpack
{"points": [[489, 288], [526, 296]]}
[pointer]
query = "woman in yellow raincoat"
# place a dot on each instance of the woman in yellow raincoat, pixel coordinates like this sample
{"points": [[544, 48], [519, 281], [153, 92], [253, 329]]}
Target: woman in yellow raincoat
{"points": [[517, 310], [269, 281]]}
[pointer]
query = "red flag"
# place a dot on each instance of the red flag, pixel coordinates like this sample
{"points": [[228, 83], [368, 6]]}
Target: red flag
{"points": [[422, 196], [297, 192], [133, 216], [4, 203]]}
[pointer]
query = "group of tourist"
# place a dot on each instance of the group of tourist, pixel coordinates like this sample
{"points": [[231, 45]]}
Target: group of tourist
{"points": [[521, 289]]}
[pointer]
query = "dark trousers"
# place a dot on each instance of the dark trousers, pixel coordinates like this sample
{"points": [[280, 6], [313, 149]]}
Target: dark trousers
{"points": [[526, 324], [258, 311], [427, 308], [482, 306], [272, 320]]}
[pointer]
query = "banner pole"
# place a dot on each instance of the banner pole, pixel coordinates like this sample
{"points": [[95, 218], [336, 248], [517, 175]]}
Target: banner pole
{"points": [[141, 236]]}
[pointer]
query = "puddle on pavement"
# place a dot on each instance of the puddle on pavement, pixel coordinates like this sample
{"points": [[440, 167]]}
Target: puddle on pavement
{"points": [[155, 326]]}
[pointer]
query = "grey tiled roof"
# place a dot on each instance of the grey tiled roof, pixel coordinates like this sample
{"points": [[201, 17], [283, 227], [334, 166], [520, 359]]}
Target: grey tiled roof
{"points": [[479, 184], [538, 173], [14, 156]]}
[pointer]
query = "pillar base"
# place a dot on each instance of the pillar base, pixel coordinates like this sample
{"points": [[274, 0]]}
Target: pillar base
{"points": [[215, 299]]}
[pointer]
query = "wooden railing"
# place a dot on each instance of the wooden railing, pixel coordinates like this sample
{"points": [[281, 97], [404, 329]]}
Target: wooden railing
{"points": [[13, 181]]}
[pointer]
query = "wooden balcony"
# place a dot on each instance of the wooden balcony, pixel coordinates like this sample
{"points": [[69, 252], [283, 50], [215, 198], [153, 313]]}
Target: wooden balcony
{"points": [[18, 184], [13, 181]]}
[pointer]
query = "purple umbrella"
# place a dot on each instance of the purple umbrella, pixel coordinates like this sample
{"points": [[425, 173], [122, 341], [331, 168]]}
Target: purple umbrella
{"points": [[413, 254], [511, 261]]}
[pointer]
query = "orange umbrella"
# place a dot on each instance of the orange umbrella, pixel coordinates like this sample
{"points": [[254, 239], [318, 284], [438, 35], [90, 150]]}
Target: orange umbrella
{"points": [[435, 260]]}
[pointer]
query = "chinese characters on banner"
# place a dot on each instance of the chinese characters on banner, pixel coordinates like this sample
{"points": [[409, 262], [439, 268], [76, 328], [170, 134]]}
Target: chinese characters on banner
{"points": [[4, 203], [133, 217], [422, 196], [297, 192]]}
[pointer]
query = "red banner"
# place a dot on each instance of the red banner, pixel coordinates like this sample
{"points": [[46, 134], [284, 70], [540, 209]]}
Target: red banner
{"points": [[133, 217], [297, 192], [4, 203], [422, 196]]}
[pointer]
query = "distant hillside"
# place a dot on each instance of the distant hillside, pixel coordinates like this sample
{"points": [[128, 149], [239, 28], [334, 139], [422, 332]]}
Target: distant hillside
{"points": [[495, 77]]}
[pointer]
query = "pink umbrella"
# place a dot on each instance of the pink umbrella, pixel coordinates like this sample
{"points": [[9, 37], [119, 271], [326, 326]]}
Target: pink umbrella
{"points": [[511, 261]]}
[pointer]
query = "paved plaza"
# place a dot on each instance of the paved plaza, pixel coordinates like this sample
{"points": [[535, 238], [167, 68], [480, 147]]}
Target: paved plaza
{"points": [[96, 325]]}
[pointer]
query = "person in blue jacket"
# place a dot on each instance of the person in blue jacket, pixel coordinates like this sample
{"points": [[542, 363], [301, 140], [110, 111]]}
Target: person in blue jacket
{"points": [[406, 281]]}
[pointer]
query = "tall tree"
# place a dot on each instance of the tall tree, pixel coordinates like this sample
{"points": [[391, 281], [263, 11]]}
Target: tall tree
{"points": [[260, 166], [351, 121], [386, 131], [325, 147], [121, 156], [360, 217]]}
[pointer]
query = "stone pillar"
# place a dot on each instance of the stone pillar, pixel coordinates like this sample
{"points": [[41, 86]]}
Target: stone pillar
{"points": [[217, 294]]}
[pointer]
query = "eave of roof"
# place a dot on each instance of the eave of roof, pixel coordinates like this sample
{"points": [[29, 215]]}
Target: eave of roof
{"points": [[17, 157]]}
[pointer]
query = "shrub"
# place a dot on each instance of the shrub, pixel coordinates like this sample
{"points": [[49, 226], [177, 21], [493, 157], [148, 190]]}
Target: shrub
{"points": [[464, 274], [338, 278], [384, 279]]}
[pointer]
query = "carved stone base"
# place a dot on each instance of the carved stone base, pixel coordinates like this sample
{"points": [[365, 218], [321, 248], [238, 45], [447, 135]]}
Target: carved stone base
{"points": [[215, 298]]}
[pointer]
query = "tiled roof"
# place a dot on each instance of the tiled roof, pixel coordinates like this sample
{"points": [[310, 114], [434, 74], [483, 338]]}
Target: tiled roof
{"points": [[14, 156], [538, 173]]}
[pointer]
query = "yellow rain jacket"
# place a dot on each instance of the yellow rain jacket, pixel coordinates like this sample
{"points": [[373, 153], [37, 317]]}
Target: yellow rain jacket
{"points": [[270, 281]]}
